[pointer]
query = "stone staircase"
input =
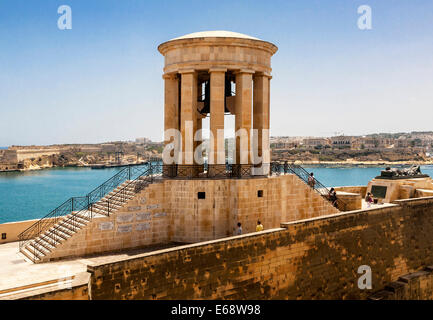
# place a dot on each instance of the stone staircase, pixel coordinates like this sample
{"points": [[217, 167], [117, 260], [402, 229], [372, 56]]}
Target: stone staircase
{"points": [[67, 226]]}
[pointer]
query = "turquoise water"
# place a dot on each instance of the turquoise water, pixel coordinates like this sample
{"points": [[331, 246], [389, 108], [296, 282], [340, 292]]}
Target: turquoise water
{"points": [[32, 195]]}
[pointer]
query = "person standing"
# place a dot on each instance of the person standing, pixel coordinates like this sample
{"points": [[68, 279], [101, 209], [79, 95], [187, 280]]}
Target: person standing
{"points": [[311, 180], [369, 200], [259, 226], [239, 229]]}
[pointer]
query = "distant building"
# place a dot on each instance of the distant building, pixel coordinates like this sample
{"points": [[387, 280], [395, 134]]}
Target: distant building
{"points": [[143, 140], [315, 142], [342, 141]]}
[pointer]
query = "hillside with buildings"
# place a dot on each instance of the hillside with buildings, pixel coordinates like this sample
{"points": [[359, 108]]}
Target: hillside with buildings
{"points": [[22, 158], [373, 148], [414, 147]]}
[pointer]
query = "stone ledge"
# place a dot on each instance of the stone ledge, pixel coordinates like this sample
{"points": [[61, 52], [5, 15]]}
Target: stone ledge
{"points": [[407, 287], [38, 291], [92, 266]]}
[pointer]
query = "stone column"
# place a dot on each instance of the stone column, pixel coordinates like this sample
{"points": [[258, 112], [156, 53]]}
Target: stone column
{"points": [[243, 105], [171, 122], [217, 101], [198, 160], [260, 148], [188, 114]]}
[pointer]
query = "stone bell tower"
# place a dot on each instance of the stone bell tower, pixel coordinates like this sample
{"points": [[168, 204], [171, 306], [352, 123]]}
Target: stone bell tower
{"points": [[214, 73]]}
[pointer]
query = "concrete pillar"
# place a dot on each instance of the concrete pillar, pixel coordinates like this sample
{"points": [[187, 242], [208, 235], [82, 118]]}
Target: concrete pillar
{"points": [[171, 108], [217, 100], [198, 159], [188, 114], [260, 149], [243, 105]]}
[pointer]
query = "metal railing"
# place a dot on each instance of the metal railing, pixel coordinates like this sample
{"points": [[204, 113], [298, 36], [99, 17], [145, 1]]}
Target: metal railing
{"points": [[133, 179], [209, 171], [80, 207], [286, 167]]}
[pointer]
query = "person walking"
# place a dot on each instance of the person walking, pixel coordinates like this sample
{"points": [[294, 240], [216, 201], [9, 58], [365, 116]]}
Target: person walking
{"points": [[311, 180], [259, 226], [333, 197]]}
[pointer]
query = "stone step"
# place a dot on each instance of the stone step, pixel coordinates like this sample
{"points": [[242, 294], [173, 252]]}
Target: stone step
{"points": [[42, 251], [52, 238], [35, 251], [67, 227], [66, 230], [117, 201], [57, 232], [84, 216], [120, 194], [100, 211], [29, 255], [73, 223], [105, 206], [43, 243]]}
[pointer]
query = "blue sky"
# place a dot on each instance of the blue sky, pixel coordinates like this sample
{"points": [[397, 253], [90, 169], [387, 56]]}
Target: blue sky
{"points": [[101, 81]]}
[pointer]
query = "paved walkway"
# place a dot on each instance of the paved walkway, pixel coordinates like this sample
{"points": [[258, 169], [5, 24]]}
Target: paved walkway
{"points": [[374, 206], [17, 272]]}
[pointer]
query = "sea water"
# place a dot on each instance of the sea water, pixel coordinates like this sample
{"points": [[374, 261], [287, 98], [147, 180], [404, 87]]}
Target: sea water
{"points": [[33, 194]]}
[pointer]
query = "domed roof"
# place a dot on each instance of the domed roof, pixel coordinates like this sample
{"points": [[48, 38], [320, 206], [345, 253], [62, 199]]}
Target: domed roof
{"points": [[215, 34]]}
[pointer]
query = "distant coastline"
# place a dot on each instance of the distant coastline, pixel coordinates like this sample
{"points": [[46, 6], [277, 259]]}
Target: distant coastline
{"points": [[334, 164], [321, 164]]}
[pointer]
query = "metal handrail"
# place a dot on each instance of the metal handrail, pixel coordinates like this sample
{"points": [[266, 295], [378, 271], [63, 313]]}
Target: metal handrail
{"points": [[53, 237], [300, 172], [70, 205]]}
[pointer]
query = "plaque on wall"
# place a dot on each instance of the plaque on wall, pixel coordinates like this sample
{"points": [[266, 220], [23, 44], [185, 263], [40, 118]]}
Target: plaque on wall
{"points": [[106, 226], [160, 214], [124, 217], [134, 208], [124, 228], [142, 226], [142, 216], [379, 191]]}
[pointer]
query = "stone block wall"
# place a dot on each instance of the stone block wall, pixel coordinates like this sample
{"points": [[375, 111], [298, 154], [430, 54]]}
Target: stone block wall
{"points": [[317, 258], [362, 190], [227, 202], [140, 222], [171, 211], [413, 286], [401, 189], [8, 156]]}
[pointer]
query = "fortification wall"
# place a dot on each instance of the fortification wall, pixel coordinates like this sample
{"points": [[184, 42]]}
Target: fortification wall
{"points": [[27, 154], [413, 286], [317, 258], [8, 157], [227, 202], [171, 211]]}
